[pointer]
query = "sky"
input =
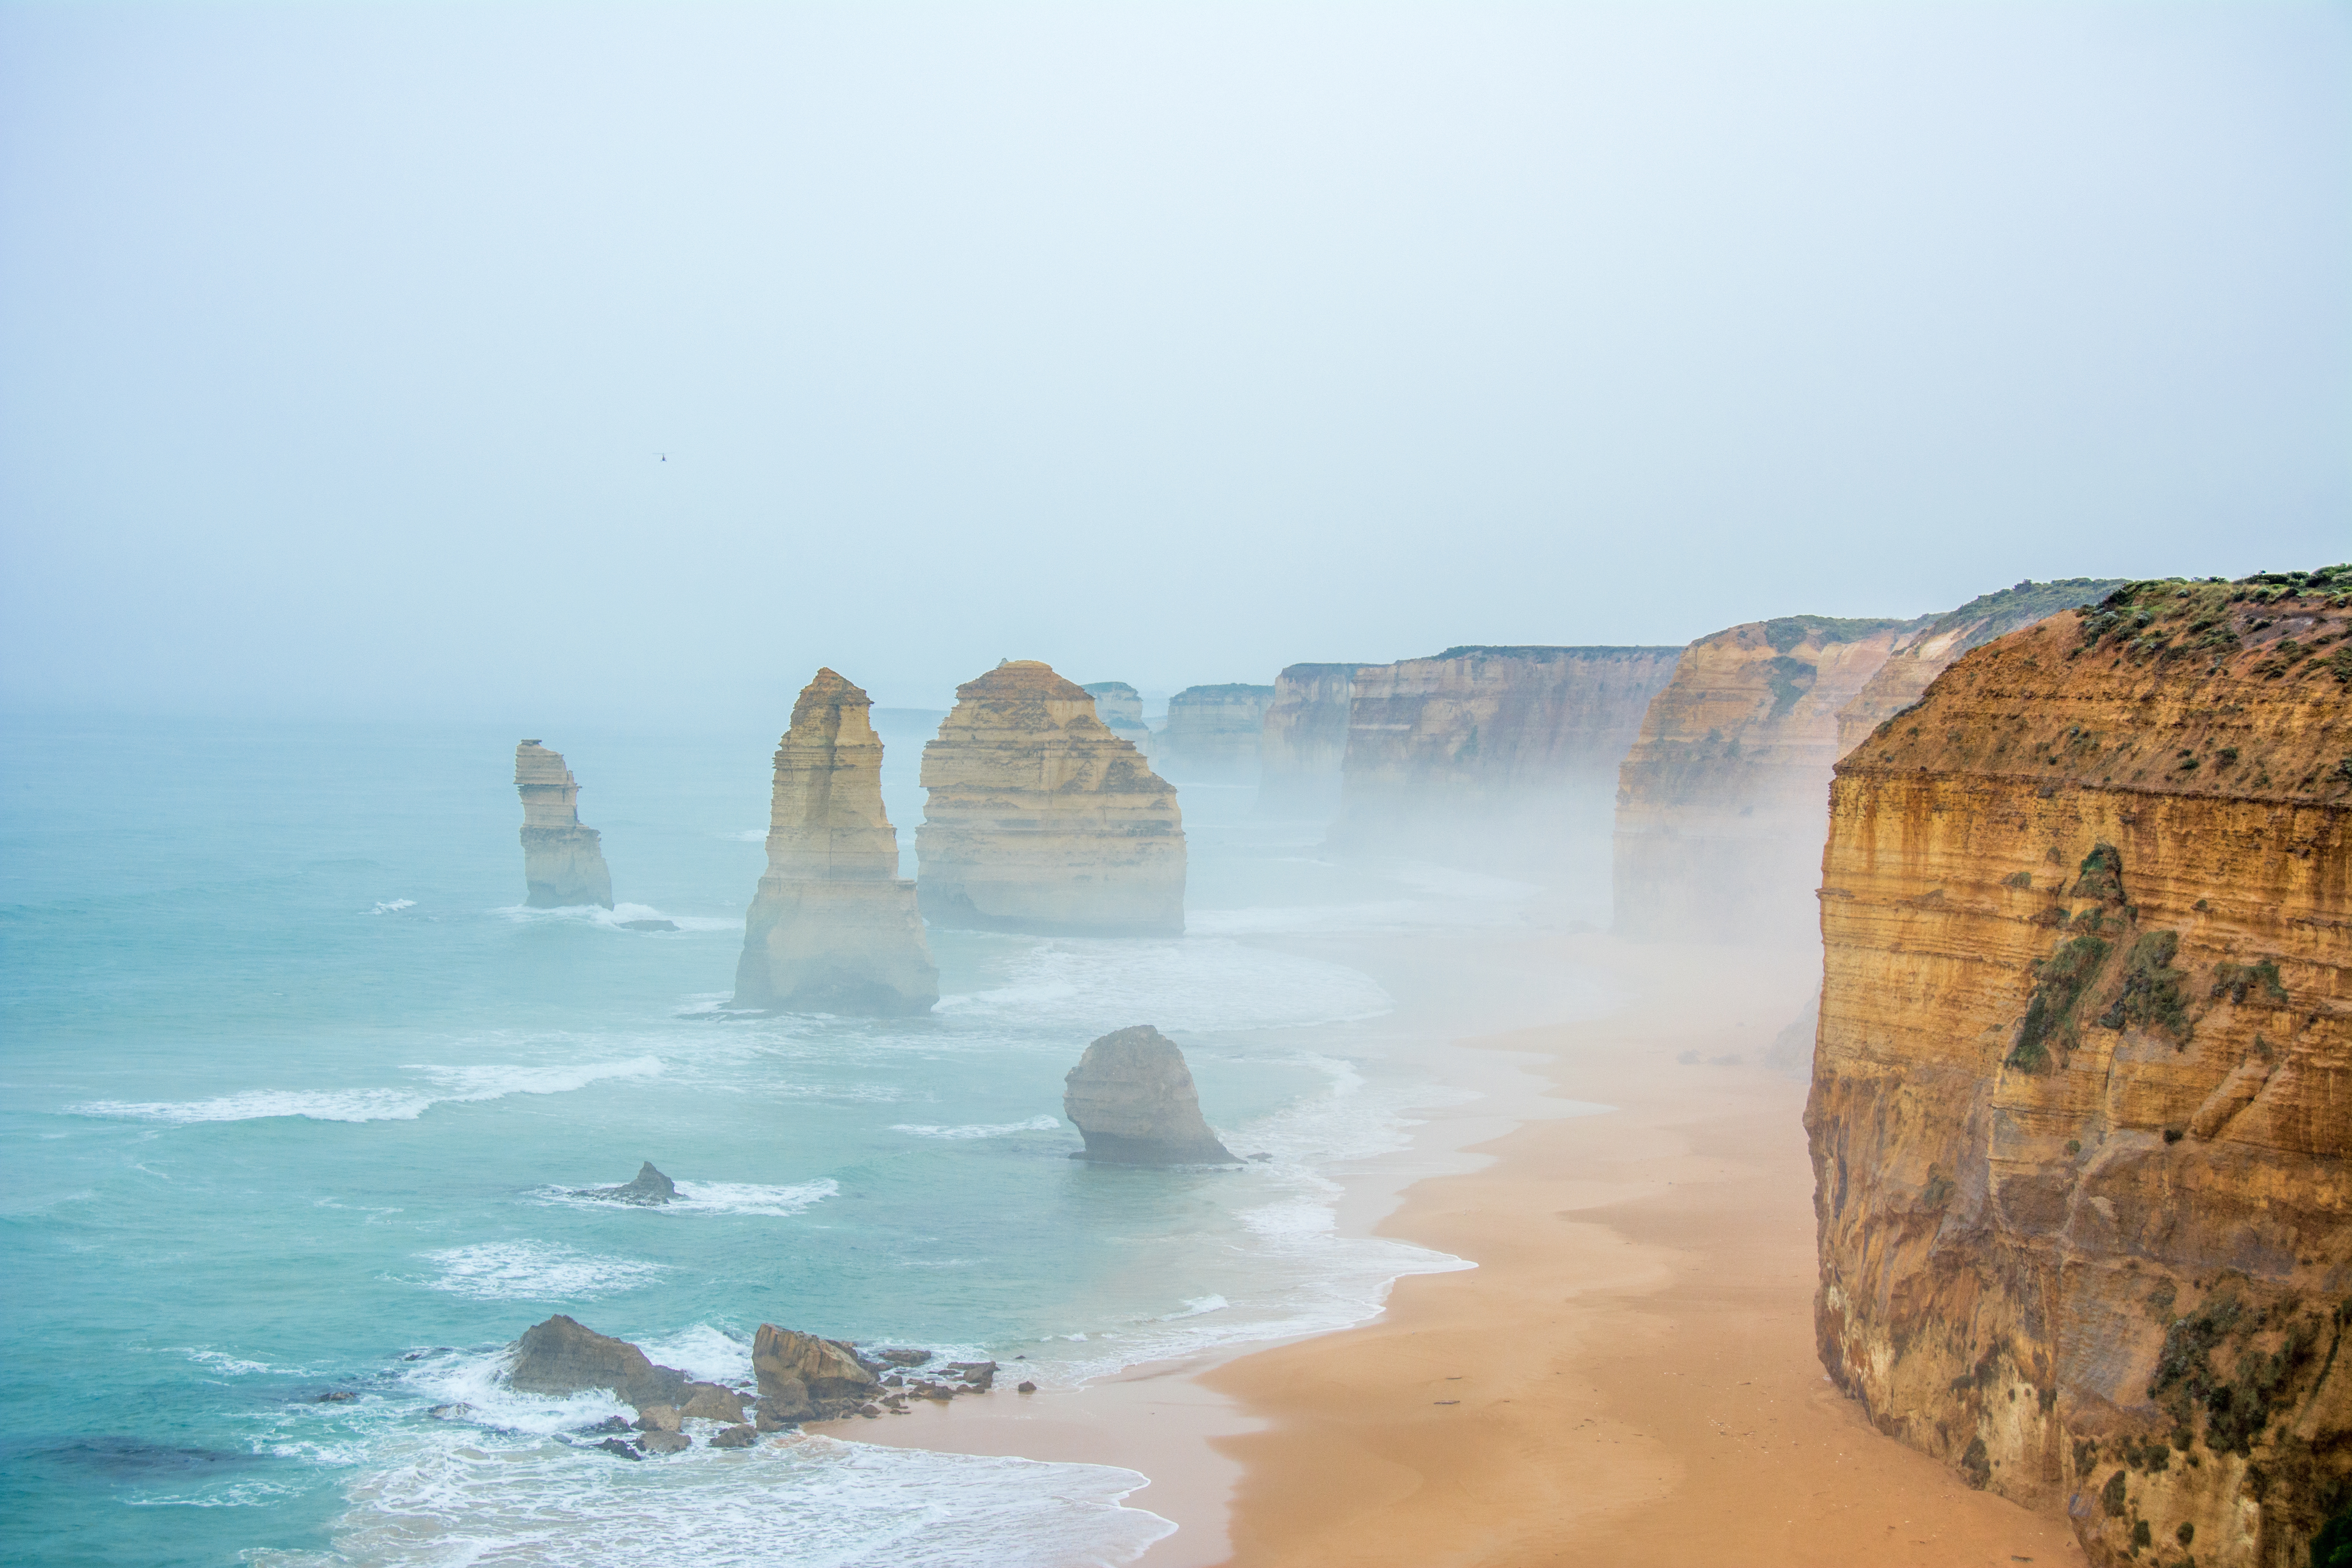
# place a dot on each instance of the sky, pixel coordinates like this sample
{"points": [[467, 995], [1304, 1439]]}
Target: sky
{"points": [[629, 362]]}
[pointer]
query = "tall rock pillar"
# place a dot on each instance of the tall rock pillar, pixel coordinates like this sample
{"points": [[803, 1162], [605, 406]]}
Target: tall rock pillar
{"points": [[562, 862]]}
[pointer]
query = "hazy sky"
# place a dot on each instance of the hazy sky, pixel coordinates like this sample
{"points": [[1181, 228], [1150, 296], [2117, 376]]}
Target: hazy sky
{"points": [[1170, 343]]}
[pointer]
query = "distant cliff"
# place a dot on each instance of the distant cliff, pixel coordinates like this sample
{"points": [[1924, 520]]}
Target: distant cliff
{"points": [[1303, 742], [1040, 819], [2082, 1105], [1120, 708], [1721, 802], [562, 862], [1925, 653], [1211, 734], [1501, 755], [832, 928]]}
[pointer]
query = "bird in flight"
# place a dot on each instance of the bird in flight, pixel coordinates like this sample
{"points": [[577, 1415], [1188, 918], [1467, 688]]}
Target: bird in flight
{"points": [[663, 456]]}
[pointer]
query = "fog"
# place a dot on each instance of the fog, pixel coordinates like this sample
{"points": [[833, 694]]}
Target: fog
{"points": [[534, 364]]}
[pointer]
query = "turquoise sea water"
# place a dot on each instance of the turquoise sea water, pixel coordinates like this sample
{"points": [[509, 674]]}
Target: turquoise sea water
{"points": [[295, 1099]]}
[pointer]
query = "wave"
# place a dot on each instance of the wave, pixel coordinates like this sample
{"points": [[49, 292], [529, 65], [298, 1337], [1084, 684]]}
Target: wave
{"points": [[392, 906], [983, 1128], [466, 1085], [616, 918], [536, 1271]]}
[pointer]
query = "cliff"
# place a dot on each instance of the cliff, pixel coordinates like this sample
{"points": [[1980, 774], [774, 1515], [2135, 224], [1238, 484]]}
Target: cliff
{"points": [[1903, 679], [2081, 1104], [832, 929], [1120, 708], [1132, 1098], [1040, 819], [1720, 802], [1492, 753], [1212, 733], [1303, 743], [562, 862]]}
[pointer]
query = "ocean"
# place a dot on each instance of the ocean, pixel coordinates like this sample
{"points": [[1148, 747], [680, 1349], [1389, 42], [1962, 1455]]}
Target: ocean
{"points": [[299, 1101]]}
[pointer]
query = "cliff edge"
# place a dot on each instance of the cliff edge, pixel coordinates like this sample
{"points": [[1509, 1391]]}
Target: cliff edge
{"points": [[2081, 1116], [562, 862], [1303, 741]]}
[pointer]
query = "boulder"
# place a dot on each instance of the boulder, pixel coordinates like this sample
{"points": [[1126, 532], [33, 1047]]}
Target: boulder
{"points": [[561, 1356], [614, 1446], [1132, 1097], [896, 1356], [979, 1374], [657, 1417], [650, 1187], [664, 1443], [819, 1371], [710, 1402], [736, 1437], [1026, 1387]]}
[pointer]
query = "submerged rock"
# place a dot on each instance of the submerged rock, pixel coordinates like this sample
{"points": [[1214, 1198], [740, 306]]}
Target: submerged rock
{"points": [[900, 1356], [650, 1187], [648, 925], [562, 862], [561, 1356], [1132, 1097]]}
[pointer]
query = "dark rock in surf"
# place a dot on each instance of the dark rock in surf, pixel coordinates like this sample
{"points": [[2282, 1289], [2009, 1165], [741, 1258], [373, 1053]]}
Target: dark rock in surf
{"points": [[561, 1356], [650, 1187], [614, 1446], [647, 925], [896, 1356], [1026, 1387], [736, 1437], [1132, 1097], [664, 1443]]}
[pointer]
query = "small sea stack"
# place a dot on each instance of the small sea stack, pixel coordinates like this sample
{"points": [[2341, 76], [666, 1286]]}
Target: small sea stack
{"points": [[1120, 708], [833, 928], [1040, 819], [562, 862], [1132, 1097], [650, 1188]]}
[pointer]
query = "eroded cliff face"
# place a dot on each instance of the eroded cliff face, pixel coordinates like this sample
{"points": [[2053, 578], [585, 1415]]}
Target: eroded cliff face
{"points": [[1212, 733], [1720, 802], [832, 928], [1926, 653], [1120, 708], [2082, 1105], [1040, 819], [1303, 741], [562, 862], [1493, 754]]}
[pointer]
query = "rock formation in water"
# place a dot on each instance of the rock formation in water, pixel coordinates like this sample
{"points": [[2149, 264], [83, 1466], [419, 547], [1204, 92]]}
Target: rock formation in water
{"points": [[832, 928], [1132, 1097], [2082, 1107], [651, 1187], [1303, 744], [1721, 802], [1925, 654], [561, 1356], [805, 1378], [1213, 732], [1120, 708], [562, 862], [1501, 755], [1040, 819]]}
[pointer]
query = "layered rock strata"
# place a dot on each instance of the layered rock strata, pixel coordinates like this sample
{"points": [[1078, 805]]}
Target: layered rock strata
{"points": [[1132, 1098], [1120, 708], [833, 928], [1720, 802], [2082, 1105], [1303, 744], [805, 1378], [1213, 732], [1926, 653], [1040, 819], [562, 862], [1493, 754]]}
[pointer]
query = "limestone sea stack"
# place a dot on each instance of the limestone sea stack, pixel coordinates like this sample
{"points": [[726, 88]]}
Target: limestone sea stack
{"points": [[1495, 756], [833, 928], [1120, 708], [2081, 1116], [1040, 819], [1132, 1097], [562, 862], [1303, 743], [1721, 803], [1211, 734], [1925, 654]]}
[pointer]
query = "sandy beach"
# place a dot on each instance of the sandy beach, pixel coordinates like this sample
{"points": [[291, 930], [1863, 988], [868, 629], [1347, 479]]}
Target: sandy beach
{"points": [[1628, 1375]]}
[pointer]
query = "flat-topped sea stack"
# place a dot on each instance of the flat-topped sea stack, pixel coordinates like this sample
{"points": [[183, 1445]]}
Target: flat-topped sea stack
{"points": [[1120, 708], [1040, 819], [562, 862], [1925, 654], [1720, 804], [833, 928], [2082, 1107], [1303, 744], [1213, 732], [1501, 755], [1132, 1098]]}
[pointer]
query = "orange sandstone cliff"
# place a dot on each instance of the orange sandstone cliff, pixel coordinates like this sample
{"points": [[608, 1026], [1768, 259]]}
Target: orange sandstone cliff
{"points": [[2082, 1107]]}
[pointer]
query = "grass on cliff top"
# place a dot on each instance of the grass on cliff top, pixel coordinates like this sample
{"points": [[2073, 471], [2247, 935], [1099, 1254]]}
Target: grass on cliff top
{"points": [[2004, 612], [1785, 632], [1546, 654], [2170, 618]]}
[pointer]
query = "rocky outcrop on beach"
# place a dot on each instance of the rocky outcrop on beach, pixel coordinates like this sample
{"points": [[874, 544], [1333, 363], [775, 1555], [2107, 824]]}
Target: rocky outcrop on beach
{"points": [[1212, 732], [1120, 708], [1132, 1098], [561, 1356], [651, 1187], [1720, 804], [1493, 753], [833, 928], [1303, 744], [1040, 819], [562, 862], [2081, 1116], [1925, 654]]}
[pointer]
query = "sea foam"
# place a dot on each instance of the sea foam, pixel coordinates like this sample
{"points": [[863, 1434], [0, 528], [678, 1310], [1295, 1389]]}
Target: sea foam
{"points": [[536, 1271]]}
